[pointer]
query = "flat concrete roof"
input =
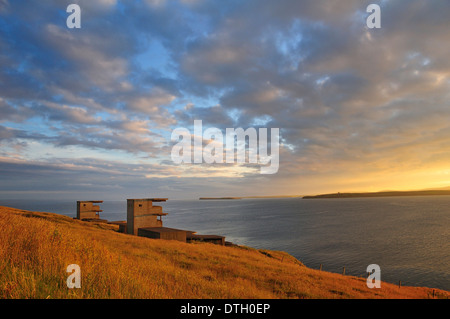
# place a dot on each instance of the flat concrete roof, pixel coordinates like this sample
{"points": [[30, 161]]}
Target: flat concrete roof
{"points": [[204, 236], [89, 201], [150, 199], [161, 229]]}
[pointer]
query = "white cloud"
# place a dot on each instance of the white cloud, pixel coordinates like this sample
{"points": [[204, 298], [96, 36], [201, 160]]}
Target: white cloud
{"points": [[152, 102], [88, 55]]}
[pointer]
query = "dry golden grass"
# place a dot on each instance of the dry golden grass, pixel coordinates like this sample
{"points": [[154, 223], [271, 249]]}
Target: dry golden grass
{"points": [[36, 248]]}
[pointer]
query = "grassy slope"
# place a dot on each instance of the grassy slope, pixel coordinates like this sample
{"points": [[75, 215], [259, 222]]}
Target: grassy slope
{"points": [[36, 248]]}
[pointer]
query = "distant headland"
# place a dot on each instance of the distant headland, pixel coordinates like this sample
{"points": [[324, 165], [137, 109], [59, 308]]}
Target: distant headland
{"points": [[381, 194], [342, 195]]}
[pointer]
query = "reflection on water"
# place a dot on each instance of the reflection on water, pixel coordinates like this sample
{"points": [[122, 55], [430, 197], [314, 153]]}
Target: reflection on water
{"points": [[407, 236]]}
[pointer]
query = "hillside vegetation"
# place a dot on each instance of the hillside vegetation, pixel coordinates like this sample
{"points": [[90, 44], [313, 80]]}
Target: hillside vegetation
{"points": [[36, 248]]}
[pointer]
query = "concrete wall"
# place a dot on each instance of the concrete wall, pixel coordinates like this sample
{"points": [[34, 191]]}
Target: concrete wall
{"points": [[163, 233], [122, 226], [87, 209], [140, 214], [214, 239]]}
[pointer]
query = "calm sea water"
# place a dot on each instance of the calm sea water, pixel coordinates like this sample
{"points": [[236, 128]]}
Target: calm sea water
{"points": [[408, 237]]}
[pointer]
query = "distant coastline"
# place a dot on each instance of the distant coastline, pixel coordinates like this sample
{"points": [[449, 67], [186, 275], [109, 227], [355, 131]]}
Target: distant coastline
{"points": [[244, 197], [380, 194], [341, 195]]}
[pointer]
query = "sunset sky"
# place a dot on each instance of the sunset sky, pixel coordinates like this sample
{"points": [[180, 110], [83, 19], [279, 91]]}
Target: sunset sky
{"points": [[88, 113]]}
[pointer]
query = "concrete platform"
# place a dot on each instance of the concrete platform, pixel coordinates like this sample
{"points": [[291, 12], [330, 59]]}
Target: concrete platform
{"points": [[163, 233], [122, 226]]}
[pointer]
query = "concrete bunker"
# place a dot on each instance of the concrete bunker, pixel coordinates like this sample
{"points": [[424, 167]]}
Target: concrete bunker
{"points": [[145, 219], [142, 213], [87, 210]]}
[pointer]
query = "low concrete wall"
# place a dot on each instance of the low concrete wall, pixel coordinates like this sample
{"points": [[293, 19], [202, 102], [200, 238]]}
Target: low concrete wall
{"points": [[163, 233], [215, 239]]}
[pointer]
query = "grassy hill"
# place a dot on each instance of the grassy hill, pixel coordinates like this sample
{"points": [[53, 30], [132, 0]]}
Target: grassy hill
{"points": [[36, 248]]}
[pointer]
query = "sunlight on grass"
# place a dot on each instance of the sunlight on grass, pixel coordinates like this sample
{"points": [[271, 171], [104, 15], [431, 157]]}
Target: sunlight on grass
{"points": [[36, 248]]}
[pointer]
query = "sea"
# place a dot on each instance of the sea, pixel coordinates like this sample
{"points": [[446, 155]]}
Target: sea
{"points": [[407, 237]]}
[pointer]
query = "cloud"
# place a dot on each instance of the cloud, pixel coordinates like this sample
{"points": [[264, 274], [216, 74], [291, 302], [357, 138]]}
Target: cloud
{"points": [[65, 113], [349, 101], [213, 116], [151, 102], [7, 133], [88, 55], [14, 113], [4, 6], [112, 180]]}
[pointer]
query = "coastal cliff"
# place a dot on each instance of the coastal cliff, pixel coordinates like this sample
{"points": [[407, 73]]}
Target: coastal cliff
{"points": [[36, 248]]}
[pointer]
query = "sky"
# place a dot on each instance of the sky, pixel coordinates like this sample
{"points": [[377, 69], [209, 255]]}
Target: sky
{"points": [[87, 113]]}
